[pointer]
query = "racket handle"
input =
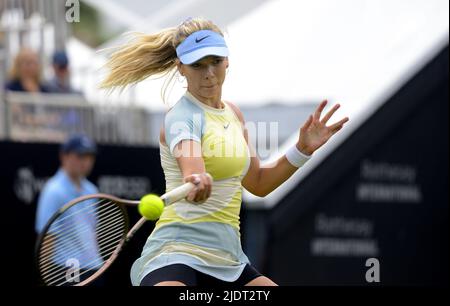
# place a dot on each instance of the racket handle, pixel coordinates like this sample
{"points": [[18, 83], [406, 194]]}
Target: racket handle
{"points": [[178, 193]]}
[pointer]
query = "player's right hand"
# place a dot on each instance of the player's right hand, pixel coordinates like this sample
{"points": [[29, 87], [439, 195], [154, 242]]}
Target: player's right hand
{"points": [[202, 191]]}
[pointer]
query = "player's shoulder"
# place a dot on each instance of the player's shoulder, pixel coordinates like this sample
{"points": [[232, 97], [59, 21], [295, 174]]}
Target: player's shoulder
{"points": [[183, 109]]}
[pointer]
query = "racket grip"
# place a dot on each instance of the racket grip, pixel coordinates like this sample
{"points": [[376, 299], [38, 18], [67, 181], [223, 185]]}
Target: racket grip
{"points": [[177, 194]]}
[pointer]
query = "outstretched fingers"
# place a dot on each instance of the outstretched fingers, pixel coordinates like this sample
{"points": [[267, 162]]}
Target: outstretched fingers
{"points": [[338, 125], [330, 114], [319, 110]]}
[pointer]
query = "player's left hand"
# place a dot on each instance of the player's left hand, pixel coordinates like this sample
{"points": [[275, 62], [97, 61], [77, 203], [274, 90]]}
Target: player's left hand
{"points": [[315, 133]]}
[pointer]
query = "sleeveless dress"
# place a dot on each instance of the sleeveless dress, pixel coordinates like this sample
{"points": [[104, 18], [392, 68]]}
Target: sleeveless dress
{"points": [[204, 236]]}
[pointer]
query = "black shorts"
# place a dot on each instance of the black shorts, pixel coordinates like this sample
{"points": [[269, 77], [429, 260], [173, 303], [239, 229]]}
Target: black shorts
{"points": [[192, 277]]}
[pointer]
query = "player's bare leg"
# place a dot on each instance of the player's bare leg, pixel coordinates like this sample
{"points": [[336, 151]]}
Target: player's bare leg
{"points": [[170, 283], [261, 281]]}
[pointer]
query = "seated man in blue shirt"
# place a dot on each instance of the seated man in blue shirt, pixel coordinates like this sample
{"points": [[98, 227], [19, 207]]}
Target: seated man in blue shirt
{"points": [[77, 157]]}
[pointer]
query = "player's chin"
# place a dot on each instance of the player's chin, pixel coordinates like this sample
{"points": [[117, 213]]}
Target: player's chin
{"points": [[210, 91]]}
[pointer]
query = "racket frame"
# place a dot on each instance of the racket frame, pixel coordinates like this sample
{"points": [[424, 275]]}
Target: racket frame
{"points": [[120, 203]]}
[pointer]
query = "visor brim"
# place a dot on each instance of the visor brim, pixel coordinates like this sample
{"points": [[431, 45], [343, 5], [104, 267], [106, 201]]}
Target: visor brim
{"points": [[196, 55]]}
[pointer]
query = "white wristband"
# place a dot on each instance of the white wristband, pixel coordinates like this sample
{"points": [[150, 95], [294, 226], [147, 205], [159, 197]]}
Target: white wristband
{"points": [[295, 157]]}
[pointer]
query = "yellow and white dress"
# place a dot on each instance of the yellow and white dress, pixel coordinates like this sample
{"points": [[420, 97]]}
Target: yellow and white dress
{"points": [[203, 236]]}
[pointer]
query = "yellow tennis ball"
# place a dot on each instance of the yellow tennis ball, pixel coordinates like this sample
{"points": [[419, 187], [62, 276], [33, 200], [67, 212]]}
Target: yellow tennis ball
{"points": [[151, 207]]}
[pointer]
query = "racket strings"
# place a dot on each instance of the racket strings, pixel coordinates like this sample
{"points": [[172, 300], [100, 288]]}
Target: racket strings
{"points": [[101, 231], [88, 232], [47, 247], [93, 263], [59, 222], [55, 277], [47, 263]]}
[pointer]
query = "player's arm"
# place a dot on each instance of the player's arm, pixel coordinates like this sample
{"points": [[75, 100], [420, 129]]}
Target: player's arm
{"points": [[188, 155], [261, 180], [192, 166]]}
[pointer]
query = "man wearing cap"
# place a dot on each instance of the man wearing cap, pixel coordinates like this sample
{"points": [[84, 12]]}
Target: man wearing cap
{"points": [[61, 80], [77, 155]]}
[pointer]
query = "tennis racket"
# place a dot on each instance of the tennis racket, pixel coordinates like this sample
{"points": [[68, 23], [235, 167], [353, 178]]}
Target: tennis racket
{"points": [[86, 235]]}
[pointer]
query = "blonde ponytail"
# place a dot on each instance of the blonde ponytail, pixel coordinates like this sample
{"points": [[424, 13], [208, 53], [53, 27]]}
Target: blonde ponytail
{"points": [[144, 56], [151, 55]]}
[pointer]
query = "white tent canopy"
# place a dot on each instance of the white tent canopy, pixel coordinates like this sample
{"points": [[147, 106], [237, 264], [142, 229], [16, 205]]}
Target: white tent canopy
{"points": [[347, 50]]}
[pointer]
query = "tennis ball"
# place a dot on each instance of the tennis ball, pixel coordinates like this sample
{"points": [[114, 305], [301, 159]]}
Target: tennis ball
{"points": [[151, 207]]}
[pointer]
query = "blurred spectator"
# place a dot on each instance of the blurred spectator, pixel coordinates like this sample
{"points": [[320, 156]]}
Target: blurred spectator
{"points": [[61, 80], [25, 74], [77, 156]]}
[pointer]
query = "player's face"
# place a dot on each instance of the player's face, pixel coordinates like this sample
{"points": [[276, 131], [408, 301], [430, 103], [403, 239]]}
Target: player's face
{"points": [[206, 76]]}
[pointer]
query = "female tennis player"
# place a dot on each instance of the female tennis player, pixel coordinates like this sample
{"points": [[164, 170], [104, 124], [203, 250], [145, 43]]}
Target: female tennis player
{"points": [[197, 240]]}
